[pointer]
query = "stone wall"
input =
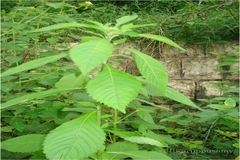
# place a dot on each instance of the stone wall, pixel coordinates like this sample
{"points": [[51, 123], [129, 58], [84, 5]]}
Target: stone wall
{"points": [[190, 72]]}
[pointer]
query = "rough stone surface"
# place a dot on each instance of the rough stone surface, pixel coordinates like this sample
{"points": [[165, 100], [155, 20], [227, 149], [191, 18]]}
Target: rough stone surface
{"points": [[206, 89], [187, 87], [192, 71]]}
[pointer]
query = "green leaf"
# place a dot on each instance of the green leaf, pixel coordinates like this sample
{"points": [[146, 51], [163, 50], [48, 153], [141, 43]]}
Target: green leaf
{"points": [[116, 149], [125, 19], [119, 41], [129, 33], [76, 139], [207, 115], [55, 5], [161, 39], [67, 25], [31, 96], [24, 144], [113, 88], [142, 154], [17, 123], [225, 63], [70, 81], [12, 46], [162, 138], [90, 54], [144, 140], [146, 117], [177, 96], [216, 106], [229, 103], [152, 70], [13, 59], [33, 64]]}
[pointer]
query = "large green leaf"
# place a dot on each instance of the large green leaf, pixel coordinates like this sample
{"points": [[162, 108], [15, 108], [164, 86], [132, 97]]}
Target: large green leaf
{"points": [[116, 149], [76, 139], [177, 96], [70, 81], [161, 39], [31, 96], [125, 19], [33, 64], [152, 70], [25, 144], [90, 54], [113, 88]]}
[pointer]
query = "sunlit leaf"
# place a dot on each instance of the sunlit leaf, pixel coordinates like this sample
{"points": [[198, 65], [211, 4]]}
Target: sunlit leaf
{"points": [[125, 19], [90, 54], [70, 81], [113, 88], [152, 70], [179, 97], [161, 39]]}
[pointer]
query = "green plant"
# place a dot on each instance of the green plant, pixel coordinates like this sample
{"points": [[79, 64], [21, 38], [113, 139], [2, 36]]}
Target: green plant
{"points": [[97, 131]]}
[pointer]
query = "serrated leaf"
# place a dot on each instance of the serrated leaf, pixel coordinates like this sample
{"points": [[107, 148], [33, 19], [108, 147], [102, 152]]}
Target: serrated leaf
{"points": [[70, 81], [149, 155], [90, 54], [179, 97], [152, 70], [33, 64], [76, 139], [31, 96], [125, 19], [24, 144], [144, 140], [115, 150], [161, 39], [113, 88]]}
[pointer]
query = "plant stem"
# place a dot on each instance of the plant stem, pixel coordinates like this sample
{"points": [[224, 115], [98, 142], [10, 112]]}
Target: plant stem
{"points": [[99, 152], [115, 124]]}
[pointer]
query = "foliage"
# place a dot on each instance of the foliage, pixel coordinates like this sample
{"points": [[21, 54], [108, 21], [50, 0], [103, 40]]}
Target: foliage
{"points": [[49, 98]]}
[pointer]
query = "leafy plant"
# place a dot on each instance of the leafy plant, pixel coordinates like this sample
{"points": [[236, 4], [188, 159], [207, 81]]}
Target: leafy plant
{"points": [[109, 92]]}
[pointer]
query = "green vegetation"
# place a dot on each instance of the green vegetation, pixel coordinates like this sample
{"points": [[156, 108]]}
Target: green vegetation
{"points": [[52, 109]]}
